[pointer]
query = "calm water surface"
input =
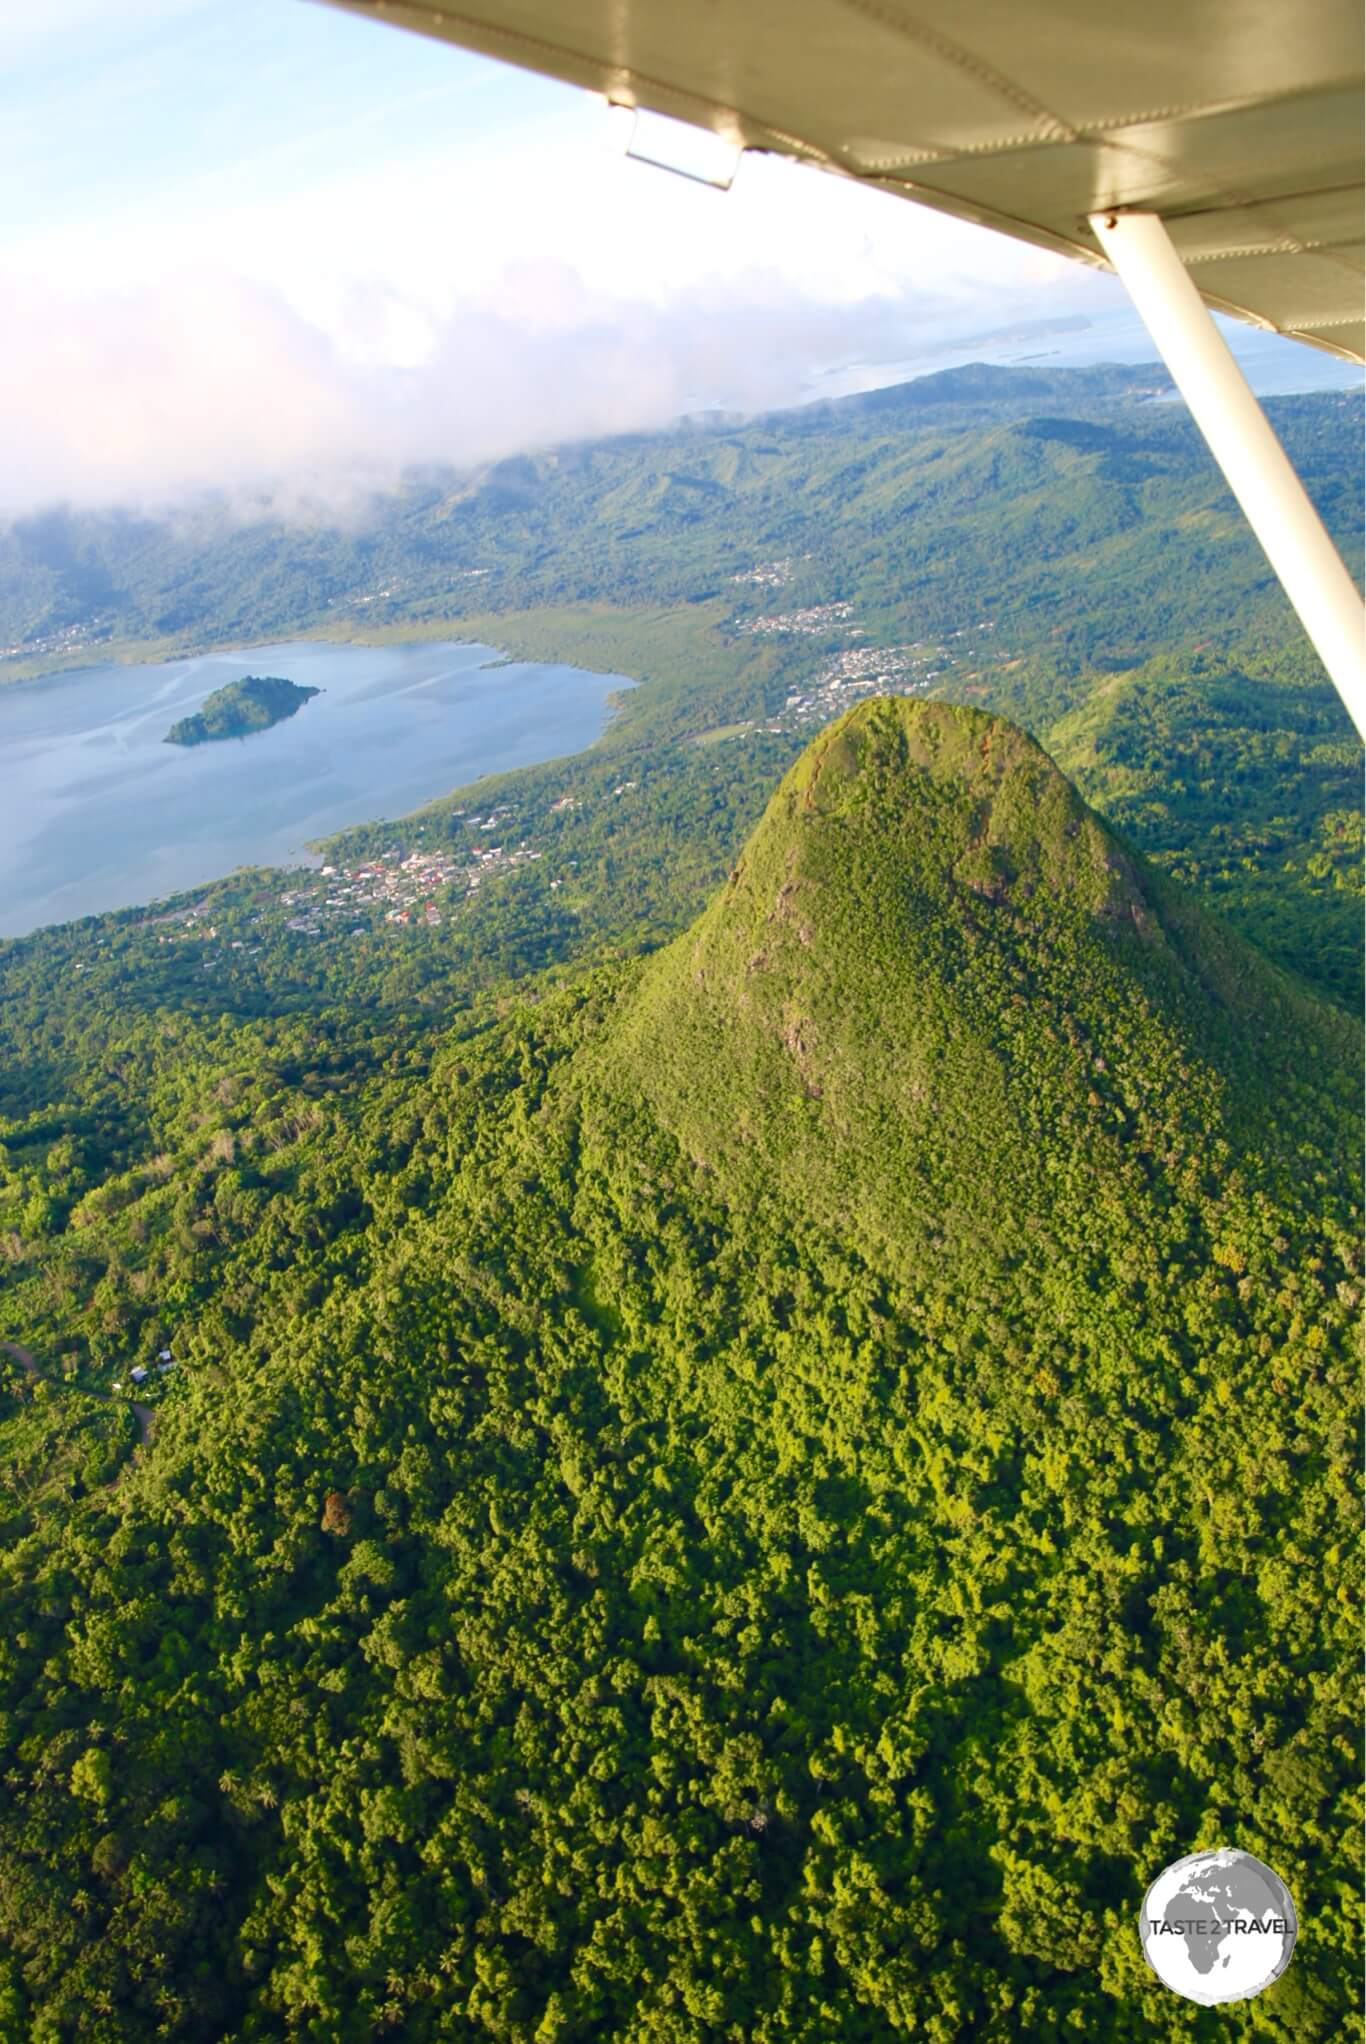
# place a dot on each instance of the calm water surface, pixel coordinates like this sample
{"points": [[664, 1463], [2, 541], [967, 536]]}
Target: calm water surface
{"points": [[98, 812]]}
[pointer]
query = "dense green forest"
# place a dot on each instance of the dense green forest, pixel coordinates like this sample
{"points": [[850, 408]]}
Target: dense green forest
{"points": [[759, 1492], [751, 1483], [240, 707]]}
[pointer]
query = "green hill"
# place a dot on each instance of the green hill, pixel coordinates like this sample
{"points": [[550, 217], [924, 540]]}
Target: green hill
{"points": [[932, 967], [761, 1493], [240, 707]]}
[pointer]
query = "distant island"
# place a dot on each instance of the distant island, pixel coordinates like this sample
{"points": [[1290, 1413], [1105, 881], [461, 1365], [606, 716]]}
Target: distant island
{"points": [[252, 704]]}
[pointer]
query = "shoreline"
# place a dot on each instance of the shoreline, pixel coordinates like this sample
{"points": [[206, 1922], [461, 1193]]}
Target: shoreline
{"points": [[164, 653], [308, 853], [594, 636]]}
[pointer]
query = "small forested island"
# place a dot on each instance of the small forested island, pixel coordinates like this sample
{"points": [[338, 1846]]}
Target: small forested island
{"points": [[252, 704]]}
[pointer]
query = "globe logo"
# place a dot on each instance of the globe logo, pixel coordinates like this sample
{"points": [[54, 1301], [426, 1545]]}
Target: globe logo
{"points": [[1218, 1926]]}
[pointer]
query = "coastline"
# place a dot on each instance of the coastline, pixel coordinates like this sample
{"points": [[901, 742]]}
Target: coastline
{"points": [[483, 742]]}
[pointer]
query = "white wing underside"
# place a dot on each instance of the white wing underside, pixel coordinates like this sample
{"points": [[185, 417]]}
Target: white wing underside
{"points": [[1238, 121]]}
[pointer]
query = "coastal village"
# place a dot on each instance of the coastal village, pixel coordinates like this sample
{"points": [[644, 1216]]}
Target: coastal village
{"points": [[392, 886], [400, 887], [63, 639]]}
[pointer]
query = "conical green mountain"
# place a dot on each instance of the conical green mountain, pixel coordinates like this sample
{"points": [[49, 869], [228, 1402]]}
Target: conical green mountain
{"points": [[762, 1497], [942, 1007]]}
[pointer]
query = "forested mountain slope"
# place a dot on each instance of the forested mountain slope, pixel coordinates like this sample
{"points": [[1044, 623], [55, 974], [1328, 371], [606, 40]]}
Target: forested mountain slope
{"points": [[761, 1493], [1244, 783], [1075, 508], [916, 960]]}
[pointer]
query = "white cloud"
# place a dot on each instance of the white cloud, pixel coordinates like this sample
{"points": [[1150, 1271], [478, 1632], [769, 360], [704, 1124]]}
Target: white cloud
{"points": [[461, 305], [282, 246], [440, 222], [215, 380]]}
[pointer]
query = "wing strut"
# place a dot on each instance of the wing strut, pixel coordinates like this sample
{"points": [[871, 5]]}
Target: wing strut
{"points": [[1242, 442]]}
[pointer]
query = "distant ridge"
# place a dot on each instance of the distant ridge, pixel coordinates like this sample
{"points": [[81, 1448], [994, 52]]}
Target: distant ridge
{"points": [[988, 383], [970, 385], [903, 501]]}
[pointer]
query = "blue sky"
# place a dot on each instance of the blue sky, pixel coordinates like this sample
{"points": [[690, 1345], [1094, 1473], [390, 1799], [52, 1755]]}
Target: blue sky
{"points": [[273, 244], [111, 110]]}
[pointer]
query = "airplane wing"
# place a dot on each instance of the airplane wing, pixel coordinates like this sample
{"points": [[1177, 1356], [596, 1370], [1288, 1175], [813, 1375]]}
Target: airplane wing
{"points": [[1239, 122]]}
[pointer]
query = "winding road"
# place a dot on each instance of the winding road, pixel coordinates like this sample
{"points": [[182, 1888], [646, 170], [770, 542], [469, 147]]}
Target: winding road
{"points": [[143, 1414]]}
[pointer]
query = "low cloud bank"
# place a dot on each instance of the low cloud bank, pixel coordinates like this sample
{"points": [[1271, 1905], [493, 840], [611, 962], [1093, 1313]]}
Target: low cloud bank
{"points": [[146, 396]]}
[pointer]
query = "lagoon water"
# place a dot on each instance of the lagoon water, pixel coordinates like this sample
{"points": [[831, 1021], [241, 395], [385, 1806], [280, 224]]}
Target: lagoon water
{"points": [[98, 812]]}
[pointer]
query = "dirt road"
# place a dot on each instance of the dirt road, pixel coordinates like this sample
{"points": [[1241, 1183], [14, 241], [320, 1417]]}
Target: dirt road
{"points": [[141, 1413]]}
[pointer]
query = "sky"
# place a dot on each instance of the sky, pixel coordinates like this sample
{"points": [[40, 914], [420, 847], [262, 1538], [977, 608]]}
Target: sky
{"points": [[270, 248]]}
